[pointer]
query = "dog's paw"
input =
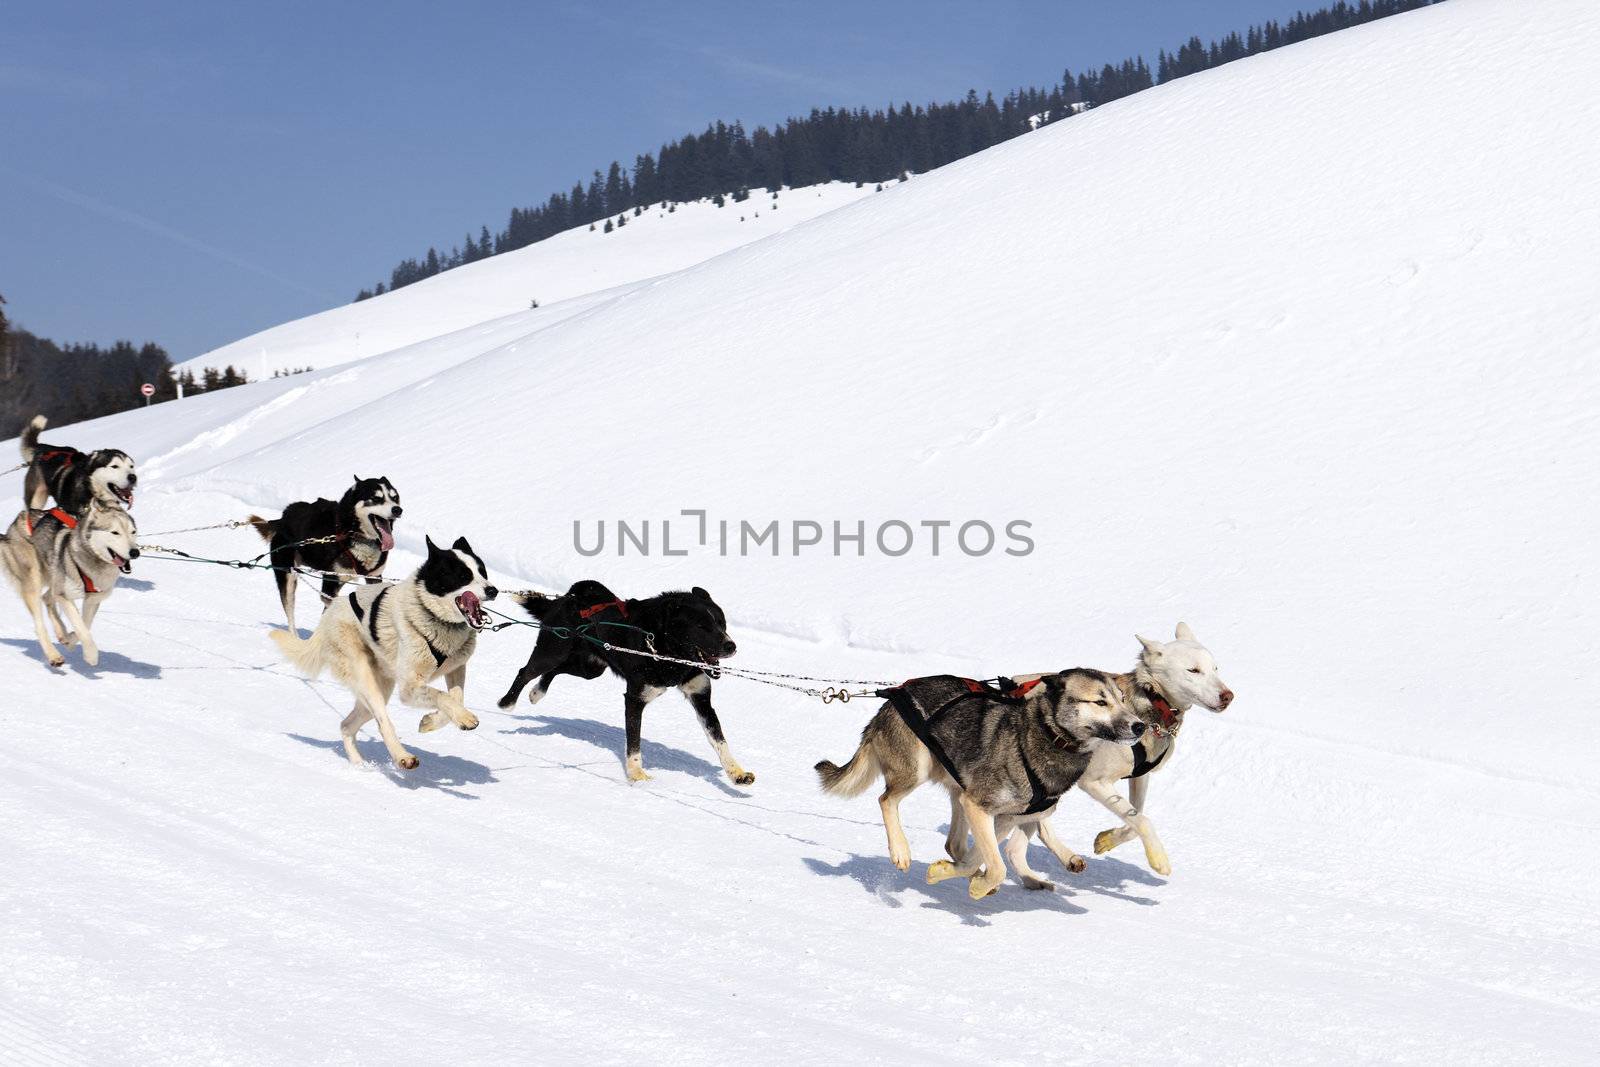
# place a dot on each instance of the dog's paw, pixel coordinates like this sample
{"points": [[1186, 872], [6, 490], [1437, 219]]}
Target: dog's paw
{"points": [[1106, 840], [744, 777], [55, 659], [1076, 865], [468, 721], [534, 696], [431, 722], [938, 872], [981, 885], [505, 702], [636, 774], [91, 655], [1037, 883], [69, 638], [408, 762]]}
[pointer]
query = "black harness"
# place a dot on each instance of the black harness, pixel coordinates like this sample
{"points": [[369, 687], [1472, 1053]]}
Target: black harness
{"points": [[1005, 691], [1142, 764], [372, 624]]}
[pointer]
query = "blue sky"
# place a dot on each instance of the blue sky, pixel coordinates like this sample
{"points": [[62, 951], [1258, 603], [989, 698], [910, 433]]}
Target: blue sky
{"points": [[189, 173]]}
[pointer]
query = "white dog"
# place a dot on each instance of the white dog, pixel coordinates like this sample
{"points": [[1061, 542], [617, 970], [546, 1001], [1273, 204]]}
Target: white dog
{"points": [[403, 635]]}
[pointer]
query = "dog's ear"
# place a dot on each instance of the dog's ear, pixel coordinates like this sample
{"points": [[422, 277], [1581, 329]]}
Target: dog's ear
{"points": [[355, 479], [701, 593], [461, 543], [1055, 683], [1183, 633], [433, 549], [1152, 649]]}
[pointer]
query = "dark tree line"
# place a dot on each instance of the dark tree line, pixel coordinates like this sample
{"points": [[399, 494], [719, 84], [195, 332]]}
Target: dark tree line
{"points": [[74, 382], [861, 145], [71, 383], [210, 379]]}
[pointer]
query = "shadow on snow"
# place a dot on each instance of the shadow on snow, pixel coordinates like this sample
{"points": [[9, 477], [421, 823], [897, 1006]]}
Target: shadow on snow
{"points": [[110, 662], [1103, 877], [447, 774], [656, 756]]}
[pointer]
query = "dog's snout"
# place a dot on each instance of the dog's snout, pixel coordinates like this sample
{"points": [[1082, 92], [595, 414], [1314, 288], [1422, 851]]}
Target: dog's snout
{"points": [[133, 554], [1138, 729], [490, 592], [396, 511], [1224, 699], [729, 648], [133, 479]]}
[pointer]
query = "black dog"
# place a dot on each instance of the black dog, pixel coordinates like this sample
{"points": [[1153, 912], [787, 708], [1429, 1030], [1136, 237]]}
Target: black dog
{"points": [[74, 478], [687, 626], [359, 531]]}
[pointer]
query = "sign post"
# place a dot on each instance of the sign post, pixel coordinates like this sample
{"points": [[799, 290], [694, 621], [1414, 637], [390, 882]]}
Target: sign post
{"points": [[149, 391]]}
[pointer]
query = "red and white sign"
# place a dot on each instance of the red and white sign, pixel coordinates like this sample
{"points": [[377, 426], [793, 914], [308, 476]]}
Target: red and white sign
{"points": [[147, 389]]}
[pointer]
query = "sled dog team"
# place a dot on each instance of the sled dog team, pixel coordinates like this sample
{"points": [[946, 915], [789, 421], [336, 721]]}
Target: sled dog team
{"points": [[1006, 751]]}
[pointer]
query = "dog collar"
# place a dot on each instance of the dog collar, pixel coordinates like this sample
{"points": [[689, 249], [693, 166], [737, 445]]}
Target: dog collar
{"points": [[1169, 714]]}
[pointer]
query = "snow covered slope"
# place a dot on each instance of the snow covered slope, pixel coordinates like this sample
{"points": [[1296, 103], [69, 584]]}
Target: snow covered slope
{"points": [[1300, 350], [571, 264]]}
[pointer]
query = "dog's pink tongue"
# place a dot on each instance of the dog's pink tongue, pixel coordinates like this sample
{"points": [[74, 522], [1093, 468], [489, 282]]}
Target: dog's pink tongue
{"points": [[385, 538], [469, 604]]}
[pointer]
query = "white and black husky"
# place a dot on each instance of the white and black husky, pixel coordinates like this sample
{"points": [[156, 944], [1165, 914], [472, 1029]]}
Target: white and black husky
{"points": [[402, 636], [55, 558]]}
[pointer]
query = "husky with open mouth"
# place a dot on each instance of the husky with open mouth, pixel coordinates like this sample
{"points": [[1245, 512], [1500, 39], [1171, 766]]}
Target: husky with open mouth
{"points": [[105, 476], [685, 626], [55, 558], [400, 636], [350, 539]]}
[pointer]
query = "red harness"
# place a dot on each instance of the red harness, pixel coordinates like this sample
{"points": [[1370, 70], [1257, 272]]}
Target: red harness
{"points": [[1017, 691], [70, 523], [595, 609]]}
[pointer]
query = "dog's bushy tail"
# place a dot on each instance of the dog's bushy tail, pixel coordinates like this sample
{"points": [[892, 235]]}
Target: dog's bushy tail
{"points": [[536, 604], [30, 437], [855, 777], [267, 528], [304, 654]]}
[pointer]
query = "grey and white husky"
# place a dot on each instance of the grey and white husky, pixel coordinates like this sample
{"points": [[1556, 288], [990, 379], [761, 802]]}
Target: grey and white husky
{"points": [[1002, 754], [1170, 678], [402, 635], [55, 558]]}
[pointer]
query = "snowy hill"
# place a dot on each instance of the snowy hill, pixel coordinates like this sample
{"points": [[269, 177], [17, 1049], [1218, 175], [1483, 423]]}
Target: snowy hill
{"points": [[569, 265], [1299, 350]]}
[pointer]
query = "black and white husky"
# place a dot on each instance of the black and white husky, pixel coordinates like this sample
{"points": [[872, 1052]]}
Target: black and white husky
{"points": [[54, 558], [402, 635], [74, 478], [349, 538]]}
